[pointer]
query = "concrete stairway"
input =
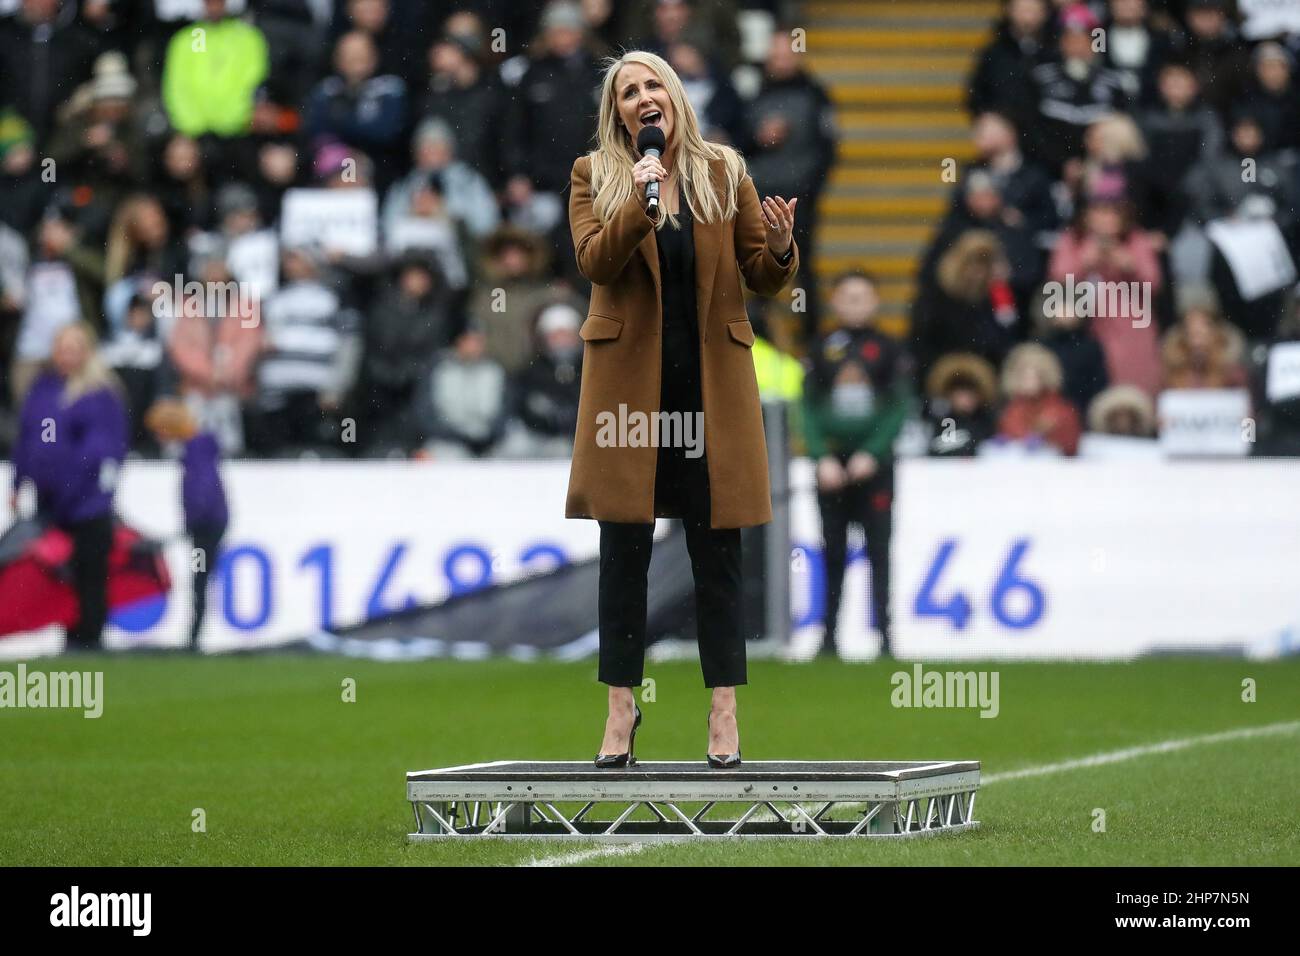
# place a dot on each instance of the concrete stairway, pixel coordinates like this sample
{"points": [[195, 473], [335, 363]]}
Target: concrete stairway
{"points": [[897, 71]]}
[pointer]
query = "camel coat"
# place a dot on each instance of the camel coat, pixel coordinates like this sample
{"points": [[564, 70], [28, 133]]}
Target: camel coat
{"points": [[622, 362]]}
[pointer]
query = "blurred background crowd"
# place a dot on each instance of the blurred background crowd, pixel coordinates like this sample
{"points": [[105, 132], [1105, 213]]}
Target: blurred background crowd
{"points": [[1134, 144], [147, 145], [381, 188]]}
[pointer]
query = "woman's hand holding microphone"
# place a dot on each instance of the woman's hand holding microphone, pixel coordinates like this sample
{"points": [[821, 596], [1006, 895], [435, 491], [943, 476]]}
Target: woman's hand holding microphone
{"points": [[647, 170], [778, 215]]}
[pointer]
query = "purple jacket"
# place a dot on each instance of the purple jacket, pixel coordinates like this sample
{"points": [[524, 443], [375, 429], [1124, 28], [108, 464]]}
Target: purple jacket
{"points": [[71, 452], [202, 494]]}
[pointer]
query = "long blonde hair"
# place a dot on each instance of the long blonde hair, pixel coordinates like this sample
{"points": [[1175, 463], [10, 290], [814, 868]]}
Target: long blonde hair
{"points": [[615, 154], [124, 236], [95, 374]]}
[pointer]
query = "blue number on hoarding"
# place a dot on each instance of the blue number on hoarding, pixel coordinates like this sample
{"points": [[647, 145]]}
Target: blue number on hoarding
{"points": [[957, 608], [227, 575], [545, 555], [814, 564], [323, 557], [460, 585], [553, 551], [376, 606], [1009, 581]]}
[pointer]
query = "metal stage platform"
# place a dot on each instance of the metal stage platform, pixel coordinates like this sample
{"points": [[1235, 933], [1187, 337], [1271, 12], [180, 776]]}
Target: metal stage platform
{"points": [[571, 800]]}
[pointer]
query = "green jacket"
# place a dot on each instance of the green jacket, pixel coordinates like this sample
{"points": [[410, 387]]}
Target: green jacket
{"points": [[827, 433], [210, 75]]}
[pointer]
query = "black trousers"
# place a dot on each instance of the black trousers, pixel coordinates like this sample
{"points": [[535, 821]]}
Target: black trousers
{"points": [[206, 538], [92, 540], [868, 504], [716, 567]]}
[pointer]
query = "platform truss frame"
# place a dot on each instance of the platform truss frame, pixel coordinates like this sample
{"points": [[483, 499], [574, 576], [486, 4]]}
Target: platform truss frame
{"points": [[801, 800]]}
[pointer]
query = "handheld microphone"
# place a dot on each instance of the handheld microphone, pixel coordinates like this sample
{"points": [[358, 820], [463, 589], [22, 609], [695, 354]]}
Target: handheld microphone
{"points": [[650, 141]]}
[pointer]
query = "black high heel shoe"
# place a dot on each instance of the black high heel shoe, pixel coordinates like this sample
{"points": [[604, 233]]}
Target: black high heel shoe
{"points": [[613, 761], [721, 761]]}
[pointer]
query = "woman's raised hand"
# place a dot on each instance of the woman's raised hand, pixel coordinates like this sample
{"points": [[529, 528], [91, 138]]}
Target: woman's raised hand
{"points": [[779, 216]]}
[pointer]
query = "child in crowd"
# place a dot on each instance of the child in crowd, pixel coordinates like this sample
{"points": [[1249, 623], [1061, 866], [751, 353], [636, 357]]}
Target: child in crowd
{"points": [[203, 497], [855, 401]]}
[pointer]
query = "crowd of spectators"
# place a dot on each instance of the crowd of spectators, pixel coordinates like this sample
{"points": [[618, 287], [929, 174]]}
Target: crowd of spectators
{"points": [[1129, 228], [338, 227]]}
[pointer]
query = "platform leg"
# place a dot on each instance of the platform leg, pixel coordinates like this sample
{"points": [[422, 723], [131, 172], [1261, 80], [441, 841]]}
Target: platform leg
{"points": [[518, 818], [434, 818]]}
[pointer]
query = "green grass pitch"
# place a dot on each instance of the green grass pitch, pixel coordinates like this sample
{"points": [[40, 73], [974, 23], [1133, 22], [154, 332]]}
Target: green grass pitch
{"points": [[288, 773]]}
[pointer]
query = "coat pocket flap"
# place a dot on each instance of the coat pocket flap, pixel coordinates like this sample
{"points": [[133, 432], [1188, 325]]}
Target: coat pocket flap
{"points": [[742, 332], [600, 327]]}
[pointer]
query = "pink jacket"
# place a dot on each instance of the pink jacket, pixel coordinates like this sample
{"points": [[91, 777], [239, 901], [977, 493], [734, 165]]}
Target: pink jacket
{"points": [[1129, 338], [216, 355]]}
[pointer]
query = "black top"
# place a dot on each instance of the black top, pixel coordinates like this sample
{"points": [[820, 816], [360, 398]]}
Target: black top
{"points": [[681, 330], [681, 478]]}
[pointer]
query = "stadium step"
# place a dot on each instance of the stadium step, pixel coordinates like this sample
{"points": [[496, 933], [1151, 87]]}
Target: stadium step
{"points": [[897, 72]]}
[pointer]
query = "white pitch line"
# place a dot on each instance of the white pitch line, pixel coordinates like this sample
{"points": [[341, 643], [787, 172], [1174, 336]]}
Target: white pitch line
{"points": [[1042, 770], [582, 856], [1132, 753]]}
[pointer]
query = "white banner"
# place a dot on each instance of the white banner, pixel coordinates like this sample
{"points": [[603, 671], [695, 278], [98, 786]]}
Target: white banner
{"points": [[1265, 19], [1283, 381], [1205, 421], [314, 543], [1076, 559], [346, 220], [1256, 253], [991, 558]]}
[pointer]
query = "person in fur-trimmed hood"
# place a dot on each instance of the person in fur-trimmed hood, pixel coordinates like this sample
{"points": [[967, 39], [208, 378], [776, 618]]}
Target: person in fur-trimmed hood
{"points": [[962, 395], [1036, 411]]}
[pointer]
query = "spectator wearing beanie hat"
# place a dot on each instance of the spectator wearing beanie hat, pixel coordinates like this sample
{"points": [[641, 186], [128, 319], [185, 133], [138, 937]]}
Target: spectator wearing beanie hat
{"points": [[468, 195], [544, 395]]}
